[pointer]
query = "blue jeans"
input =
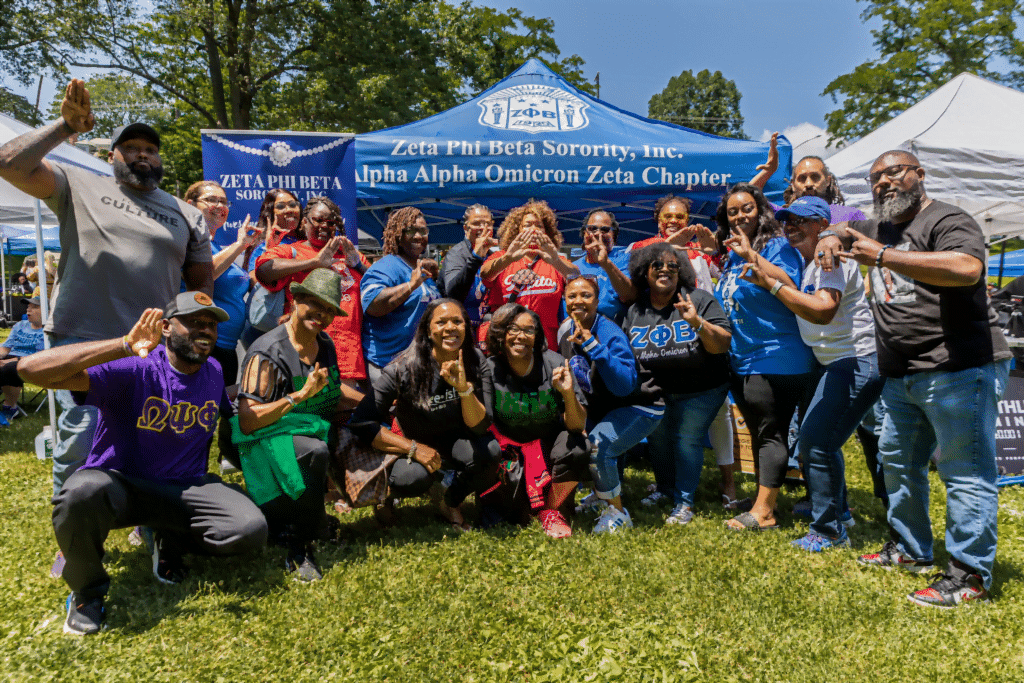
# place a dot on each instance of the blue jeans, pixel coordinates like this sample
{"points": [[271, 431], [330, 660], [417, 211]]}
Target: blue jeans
{"points": [[677, 445], [617, 432], [956, 411], [845, 390], [76, 427]]}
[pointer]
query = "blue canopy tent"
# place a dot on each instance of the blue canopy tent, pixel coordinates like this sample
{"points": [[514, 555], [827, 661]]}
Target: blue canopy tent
{"points": [[20, 240], [535, 135], [1012, 266]]}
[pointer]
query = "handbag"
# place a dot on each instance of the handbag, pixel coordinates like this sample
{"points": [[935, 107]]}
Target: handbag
{"points": [[265, 307], [360, 473]]}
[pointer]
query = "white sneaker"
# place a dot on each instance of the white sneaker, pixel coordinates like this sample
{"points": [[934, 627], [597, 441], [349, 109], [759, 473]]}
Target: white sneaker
{"points": [[613, 519], [591, 502], [656, 498], [681, 514]]}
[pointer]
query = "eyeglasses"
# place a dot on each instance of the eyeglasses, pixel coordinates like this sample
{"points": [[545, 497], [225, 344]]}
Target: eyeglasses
{"points": [[670, 266], [798, 221], [598, 228], [892, 173], [416, 231], [223, 201], [515, 330], [331, 222], [281, 206]]}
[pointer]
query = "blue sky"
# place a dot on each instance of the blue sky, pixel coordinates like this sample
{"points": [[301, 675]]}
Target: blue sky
{"points": [[780, 53]]}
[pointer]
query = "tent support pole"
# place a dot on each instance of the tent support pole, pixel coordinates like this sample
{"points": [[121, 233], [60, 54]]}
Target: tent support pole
{"points": [[44, 304], [1002, 259]]}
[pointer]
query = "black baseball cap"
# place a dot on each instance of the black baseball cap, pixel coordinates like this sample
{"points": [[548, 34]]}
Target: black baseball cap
{"points": [[193, 302], [135, 130]]}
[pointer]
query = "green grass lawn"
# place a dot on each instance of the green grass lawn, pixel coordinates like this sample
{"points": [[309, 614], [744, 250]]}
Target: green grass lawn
{"points": [[416, 603]]}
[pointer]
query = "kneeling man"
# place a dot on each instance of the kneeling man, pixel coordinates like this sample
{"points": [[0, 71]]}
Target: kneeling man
{"points": [[158, 408]]}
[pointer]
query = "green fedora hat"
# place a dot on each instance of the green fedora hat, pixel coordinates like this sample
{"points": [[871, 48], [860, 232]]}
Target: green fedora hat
{"points": [[324, 284]]}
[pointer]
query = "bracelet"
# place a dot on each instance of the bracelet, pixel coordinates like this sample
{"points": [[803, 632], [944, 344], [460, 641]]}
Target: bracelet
{"points": [[826, 233], [878, 259], [288, 397], [700, 327], [127, 346], [779, 284], [412, 452], [468, 391]]}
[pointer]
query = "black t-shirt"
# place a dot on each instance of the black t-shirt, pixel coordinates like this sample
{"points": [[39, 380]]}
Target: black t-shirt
{"points": [[438, 426], [273, 357], [923, 327], [667, 346], [528, 408]]}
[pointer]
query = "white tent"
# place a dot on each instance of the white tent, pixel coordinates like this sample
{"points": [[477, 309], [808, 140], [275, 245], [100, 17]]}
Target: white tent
{"points": [[16, 207], [969, 136]]}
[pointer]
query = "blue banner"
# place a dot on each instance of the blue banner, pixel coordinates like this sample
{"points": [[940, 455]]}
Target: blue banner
{"points": [[248, 163]]}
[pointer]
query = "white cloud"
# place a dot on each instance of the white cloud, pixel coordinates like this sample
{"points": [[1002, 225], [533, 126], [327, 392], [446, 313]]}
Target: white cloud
{"points": [[807, 139]]}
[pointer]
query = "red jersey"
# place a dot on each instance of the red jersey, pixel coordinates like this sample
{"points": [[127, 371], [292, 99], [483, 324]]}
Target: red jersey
{"points": [[344, 330], [543, 295]]}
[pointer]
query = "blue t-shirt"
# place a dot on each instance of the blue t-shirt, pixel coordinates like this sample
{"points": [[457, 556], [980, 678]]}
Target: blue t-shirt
{"points": [[765, 337], [24, 340], [608, 303], [229, 292], [386, 336]]}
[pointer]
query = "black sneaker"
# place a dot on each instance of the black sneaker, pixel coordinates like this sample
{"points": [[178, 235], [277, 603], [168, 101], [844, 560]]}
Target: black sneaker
{"points": [[948, 591], [890, 557], [85, 617], [168, 566], [302, 564]]}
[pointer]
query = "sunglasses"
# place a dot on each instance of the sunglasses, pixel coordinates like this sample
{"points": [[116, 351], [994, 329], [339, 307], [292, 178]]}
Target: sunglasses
{"points": [[670, 266], [281, 206], [598, 228], [892, 173]]}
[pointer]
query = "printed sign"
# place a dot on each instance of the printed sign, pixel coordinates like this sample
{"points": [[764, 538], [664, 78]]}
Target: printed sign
{"points": [[533, 109]]}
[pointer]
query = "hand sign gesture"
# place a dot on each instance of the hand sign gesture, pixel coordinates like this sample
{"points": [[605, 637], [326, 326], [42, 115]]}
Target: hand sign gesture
{"points": [[146, 333], [595, 247], [686, 309], [315, 382], [561, 379], [580, 333], [325, 257], [864, 250], [454, 372], [76, 108], [740, 244], [248, 234]]}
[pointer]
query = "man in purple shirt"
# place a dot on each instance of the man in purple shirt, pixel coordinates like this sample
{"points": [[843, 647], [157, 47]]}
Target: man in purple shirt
{"points": [[158, 408]]}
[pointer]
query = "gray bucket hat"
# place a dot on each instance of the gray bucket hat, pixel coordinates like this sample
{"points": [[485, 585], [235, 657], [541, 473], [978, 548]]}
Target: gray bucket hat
{"points": [[323, 284]]}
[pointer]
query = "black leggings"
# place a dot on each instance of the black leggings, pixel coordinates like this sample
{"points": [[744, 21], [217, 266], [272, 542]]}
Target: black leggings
{"points": [[228, 360], [473, 460], [305, 516], [767, 403]]}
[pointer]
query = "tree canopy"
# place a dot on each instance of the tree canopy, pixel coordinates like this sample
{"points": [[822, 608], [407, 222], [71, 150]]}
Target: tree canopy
{"points": [[922, 44], [709, 102]]}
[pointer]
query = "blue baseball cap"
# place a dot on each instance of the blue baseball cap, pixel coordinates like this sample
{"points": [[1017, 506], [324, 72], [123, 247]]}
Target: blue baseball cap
{"points": [[805, 207]]}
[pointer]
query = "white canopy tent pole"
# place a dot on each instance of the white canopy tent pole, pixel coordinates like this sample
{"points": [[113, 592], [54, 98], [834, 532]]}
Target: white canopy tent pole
{"points": [[3, 273], [44, 304]]}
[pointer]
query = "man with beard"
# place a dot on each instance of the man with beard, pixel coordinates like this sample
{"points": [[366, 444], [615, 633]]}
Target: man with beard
{"points": [[125, 244], [946, 364], [812, 178], [158, 409]]}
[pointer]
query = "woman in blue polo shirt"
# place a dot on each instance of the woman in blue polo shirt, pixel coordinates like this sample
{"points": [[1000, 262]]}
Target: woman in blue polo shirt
{"points": [[771, 365]]}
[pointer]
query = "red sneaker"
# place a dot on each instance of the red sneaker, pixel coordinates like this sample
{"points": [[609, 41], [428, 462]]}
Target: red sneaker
{"points": [[949, 591], [554, 524]]}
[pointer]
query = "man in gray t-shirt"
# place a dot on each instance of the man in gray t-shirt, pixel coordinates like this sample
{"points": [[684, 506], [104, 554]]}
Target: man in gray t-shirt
{"points": [[126, 245]]}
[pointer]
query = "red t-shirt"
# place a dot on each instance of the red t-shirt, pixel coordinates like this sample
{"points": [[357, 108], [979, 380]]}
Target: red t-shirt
{"points": [[543, 295], [344, 330]]}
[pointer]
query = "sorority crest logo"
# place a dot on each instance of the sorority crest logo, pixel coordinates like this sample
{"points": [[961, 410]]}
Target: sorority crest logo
{"points": [[533, 109]]}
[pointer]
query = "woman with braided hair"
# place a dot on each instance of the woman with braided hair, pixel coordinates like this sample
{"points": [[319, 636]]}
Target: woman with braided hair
{"points": [[396, 289], [527, 269]]}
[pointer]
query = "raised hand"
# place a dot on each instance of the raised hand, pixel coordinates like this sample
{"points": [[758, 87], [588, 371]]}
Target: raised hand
{"points": [[682, 237], [248, 234], [482, 240], [275, 234], [595, 247], [752, 272], [548, 250], [772, 163], [561, 379], [325, 257], [76, 108], [454, 372], [685, 306], [430, 267], [315, 382], [580, 334], [351, 253], [740, 244], [146, 333], [706, 238], [520, 246]]}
